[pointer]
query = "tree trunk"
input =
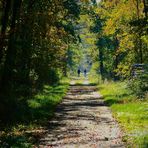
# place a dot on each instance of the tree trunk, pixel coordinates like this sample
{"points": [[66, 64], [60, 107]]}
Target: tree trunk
{"points": [[145, 3], [116, 60], [7, 77], [5, 18], [101, 63], [139, 35], [137, 5], [140, 49]]}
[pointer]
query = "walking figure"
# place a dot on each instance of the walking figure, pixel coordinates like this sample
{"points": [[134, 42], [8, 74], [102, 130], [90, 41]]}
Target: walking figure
{"points": [[79, 72], [85, 73]]}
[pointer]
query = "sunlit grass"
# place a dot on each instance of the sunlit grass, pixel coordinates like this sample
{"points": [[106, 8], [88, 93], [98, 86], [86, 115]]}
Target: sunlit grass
{"points": [[131, 113], [116, 92], [43, 104]]}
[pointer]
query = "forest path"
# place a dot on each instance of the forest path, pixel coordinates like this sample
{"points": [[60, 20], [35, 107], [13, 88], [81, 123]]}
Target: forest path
{"points": [[82, 120]]}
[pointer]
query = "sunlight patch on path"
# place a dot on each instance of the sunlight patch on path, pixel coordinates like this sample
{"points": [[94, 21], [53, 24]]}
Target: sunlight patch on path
{"points": [[72, 82], [86, 82]]}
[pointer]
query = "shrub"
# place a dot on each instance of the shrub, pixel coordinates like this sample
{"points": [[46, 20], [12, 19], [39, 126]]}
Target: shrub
{"points": [[139, 85]]}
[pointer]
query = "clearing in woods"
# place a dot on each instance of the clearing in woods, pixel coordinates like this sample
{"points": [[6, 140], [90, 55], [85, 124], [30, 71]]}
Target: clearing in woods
{"points": [[82, 120]]}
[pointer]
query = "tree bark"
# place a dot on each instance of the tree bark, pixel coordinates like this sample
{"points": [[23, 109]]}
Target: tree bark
{"points": [[7, 76], [145, 3], [101, 63], [5, 17], [137, 5], [116, 60]]}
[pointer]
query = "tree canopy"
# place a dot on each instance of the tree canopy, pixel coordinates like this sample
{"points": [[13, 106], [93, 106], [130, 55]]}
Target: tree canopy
{"points": [[43, 40]]}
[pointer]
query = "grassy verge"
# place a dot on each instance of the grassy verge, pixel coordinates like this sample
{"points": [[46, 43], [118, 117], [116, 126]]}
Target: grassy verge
{"points": [[34, 114], [131, 113]]}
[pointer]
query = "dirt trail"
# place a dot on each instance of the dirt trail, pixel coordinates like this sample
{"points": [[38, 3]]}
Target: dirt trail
{"points": [[82, 121]]}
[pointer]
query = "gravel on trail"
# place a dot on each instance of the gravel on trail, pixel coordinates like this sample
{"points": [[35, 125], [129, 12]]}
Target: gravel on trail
{"points": [[82, 120]]}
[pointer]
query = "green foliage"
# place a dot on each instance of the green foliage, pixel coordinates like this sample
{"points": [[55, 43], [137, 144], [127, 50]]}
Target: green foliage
{"points": [[94, 76], [139, 85], [16, 141], [34, 47], [41, 41], [121, 36]]}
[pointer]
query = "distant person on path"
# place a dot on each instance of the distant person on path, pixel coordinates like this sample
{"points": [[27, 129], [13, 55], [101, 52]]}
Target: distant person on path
{"points": [[79, 72], [85, 73]]}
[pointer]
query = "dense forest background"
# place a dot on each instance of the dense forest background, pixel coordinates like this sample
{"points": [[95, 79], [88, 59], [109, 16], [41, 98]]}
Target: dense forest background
{"points": [[37, 40], [43, 40]]}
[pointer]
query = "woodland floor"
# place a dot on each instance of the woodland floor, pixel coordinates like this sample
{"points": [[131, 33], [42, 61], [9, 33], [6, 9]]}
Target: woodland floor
{"points": [[82, 120]]}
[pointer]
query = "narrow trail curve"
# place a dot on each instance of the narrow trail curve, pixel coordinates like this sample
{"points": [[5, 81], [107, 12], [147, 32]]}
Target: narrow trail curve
{"points": [[82, 121]]}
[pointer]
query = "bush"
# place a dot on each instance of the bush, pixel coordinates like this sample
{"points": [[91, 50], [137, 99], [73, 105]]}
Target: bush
{"points": [[139, 85]]}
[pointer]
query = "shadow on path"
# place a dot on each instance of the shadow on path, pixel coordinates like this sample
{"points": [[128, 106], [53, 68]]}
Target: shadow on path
{"points": [[82, 120]]}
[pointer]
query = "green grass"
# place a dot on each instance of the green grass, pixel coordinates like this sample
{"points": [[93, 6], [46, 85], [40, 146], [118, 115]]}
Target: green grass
{"points": [[130, 112], [94, 78], [34, 115]]}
